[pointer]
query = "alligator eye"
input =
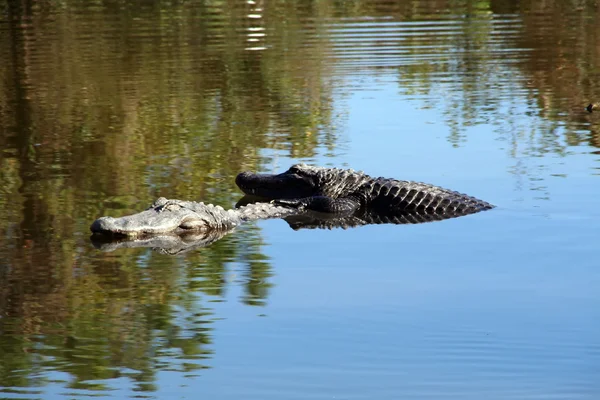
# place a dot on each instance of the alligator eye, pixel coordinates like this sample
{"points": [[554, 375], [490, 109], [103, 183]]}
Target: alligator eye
{"points": [[192, 223], [296, 168]]}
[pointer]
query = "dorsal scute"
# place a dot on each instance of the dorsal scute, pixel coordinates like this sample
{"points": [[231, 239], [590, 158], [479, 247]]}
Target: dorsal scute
{"points": [[337, 182]]}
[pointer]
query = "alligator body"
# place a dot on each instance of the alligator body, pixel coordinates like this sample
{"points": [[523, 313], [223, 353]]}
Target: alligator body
{"points": [[333, 190], [180, 217]]}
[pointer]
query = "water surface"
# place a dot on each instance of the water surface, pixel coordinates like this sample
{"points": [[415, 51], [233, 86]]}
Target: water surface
{"points": [[106, 106]]}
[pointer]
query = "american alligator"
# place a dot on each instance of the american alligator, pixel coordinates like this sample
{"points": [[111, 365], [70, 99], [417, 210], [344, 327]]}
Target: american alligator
{"points": [[333, 190], [180, 217]]}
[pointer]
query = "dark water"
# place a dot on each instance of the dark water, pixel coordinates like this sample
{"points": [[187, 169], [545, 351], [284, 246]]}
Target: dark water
{"points": [[105, 106]]}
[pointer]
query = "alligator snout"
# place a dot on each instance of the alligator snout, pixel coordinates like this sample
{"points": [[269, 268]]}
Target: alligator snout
{"points": [[242, 179], [102, 225]]}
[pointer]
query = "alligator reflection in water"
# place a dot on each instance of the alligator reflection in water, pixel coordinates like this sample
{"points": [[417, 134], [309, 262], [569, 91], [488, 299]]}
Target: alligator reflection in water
{"points": [[309, 219], [166, 243], [316, 220]]}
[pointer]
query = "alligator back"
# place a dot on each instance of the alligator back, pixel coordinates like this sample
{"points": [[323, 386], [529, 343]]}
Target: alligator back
{"points": [[389, 196]]}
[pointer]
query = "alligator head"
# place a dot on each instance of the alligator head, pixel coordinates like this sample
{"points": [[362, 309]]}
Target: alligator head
{"points": [[298, 181], [301, 180], [165, 216]]}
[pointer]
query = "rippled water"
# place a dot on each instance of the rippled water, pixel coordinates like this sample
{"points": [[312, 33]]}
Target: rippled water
{"points": [[106, 106]]}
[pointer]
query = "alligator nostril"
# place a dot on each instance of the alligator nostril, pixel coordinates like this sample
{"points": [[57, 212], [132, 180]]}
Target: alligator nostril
{"points": [[240, 178], [102, 224]]}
